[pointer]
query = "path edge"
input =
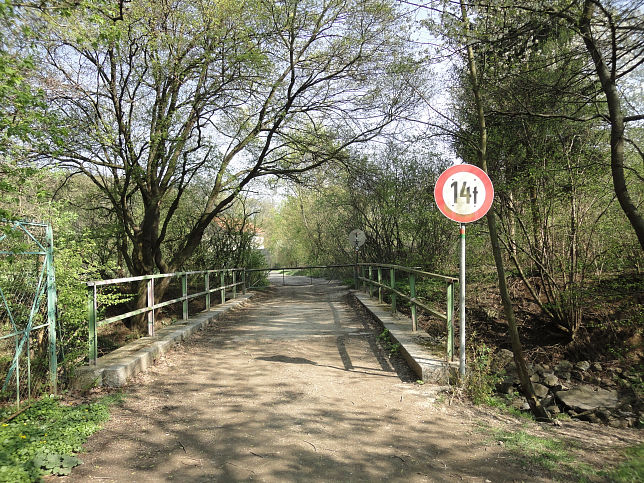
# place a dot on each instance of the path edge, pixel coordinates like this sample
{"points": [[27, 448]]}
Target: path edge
{"points": [[429, 367], [117, 367]]}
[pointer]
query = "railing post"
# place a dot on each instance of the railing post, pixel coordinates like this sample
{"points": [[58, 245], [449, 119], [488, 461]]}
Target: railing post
{"points": [[206, 288], [184, 294], [150, 305], [392, 283], [370, 279], [222, 290], [91, 312], [234, 284], [412, 293], [379, 284], [51, 312], [450, 320], [244, 281]]}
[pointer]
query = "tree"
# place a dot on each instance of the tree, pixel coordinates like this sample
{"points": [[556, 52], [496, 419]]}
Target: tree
{"points": [[463, 36], [23, 113], [156, 95], [613, 33]]}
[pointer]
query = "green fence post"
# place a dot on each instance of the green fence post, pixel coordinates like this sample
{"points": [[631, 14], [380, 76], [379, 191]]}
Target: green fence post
{"points": [[380, 284], [450, 320], [184, 294], [51, 310], [91, 316], [150, 305], [222, 279], [392, 283], [234, 284], [244, 281], [370, 280], [207, 289], [363, 284], [412, 293]]}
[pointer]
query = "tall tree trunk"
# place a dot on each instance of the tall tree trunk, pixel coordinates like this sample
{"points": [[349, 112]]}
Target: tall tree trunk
{"points": [[517, 349], [607, 78]]}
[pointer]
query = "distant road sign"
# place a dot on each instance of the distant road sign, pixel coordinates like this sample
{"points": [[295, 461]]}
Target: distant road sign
{"points": [[464, 193], [357, 238]]}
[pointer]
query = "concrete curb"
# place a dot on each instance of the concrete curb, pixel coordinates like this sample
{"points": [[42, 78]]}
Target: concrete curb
{"points": [[429, 365], [115, 368]]}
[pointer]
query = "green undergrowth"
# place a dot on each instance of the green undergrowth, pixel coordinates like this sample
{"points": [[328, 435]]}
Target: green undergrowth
{"points": [[557, 457], [632, 469], [45, 438], [388, 343]]}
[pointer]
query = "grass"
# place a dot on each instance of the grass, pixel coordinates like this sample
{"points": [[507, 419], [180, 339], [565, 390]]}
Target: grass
{"points": [[546, 453], [45, 438], [552, 455], [632, 469]]}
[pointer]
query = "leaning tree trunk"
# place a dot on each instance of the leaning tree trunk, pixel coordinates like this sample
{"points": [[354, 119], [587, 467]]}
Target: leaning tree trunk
{"points": [[517, 350]]}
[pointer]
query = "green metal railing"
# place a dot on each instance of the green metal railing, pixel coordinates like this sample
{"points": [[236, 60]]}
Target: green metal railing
{"points": [[310, 271], [370, 277], [229, 279], [27, 300]]}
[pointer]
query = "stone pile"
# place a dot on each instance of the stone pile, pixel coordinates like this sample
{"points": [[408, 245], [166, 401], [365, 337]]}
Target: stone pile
{"points": [[583, 390]]}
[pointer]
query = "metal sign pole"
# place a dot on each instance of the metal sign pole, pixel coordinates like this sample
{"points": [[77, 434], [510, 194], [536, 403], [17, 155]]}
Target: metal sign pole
{"points": [[355, 268], [462, 302]]}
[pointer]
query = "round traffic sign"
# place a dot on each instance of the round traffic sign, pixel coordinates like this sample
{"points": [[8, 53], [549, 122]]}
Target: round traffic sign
{"points": [[357, 238], [464, 193]]}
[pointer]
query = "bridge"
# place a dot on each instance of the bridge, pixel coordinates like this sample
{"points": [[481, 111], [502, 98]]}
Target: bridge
{"points": [[292, 384]]}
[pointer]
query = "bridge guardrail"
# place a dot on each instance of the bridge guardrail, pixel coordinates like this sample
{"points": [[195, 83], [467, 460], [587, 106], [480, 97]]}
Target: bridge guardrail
{"points": [[228, 280], [367, 272], [310, 271]]}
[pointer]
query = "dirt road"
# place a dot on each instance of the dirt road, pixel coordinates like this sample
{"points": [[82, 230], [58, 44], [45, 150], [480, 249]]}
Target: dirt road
{"points": [[293, 387]]}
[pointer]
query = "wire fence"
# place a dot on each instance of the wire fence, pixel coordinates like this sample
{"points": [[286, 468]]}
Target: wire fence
{"points": [[27, 310]]}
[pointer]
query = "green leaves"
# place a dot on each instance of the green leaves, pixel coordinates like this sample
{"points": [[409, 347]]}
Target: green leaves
{"points": [[56, 464], [44, 438]]}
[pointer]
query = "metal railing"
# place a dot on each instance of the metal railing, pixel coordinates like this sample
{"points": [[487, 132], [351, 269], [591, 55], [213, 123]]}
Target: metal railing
{"points": [[229, 279], [370, 277], [310, 271], [27, 301]]}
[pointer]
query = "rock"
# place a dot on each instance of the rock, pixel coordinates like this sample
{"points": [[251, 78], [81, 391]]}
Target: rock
{"points": [[604, 414], [617, 423], [535, 378], [578, 375], [584, 398], [563, 367], [540, 390], [538, 369], [597, 366], [631, 422], [591, 417], [549, 400], [582, 366], [550, 380], [565, 376], [501, 360], [505, 387], [553, 409], [593, 379], [521, 404]]}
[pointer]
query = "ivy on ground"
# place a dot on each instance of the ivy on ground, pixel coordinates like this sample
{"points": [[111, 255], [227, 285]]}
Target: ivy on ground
{"points": [[44, 438]]}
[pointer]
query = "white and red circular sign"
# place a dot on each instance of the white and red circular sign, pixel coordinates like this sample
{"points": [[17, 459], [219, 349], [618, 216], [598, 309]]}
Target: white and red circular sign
{"points": [[464, 193]]}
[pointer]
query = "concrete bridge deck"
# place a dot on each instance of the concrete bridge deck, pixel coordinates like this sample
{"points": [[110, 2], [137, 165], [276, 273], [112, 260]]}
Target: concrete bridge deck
{"points": [[290, 387]]}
